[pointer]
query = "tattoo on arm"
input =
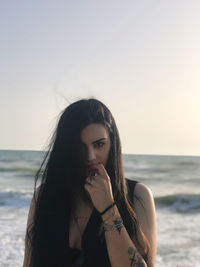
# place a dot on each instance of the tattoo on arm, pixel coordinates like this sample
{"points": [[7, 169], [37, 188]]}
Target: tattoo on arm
{"points": [[118, 224], [135, 258]]}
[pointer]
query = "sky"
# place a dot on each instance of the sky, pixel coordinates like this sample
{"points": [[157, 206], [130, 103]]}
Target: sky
{"points": [[140, 58]]}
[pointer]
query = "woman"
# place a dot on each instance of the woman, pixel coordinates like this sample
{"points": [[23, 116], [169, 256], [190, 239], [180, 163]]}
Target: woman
{"points": [[85, 212]]}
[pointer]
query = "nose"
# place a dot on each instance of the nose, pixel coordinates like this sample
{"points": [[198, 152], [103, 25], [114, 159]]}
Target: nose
{"points": [[91, 155]]}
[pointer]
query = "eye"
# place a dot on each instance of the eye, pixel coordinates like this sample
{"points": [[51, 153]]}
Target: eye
{"points": [[100, 144]]}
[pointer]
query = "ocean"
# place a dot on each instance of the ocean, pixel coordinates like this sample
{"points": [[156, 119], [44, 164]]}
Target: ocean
{"points": [[174, 181]]}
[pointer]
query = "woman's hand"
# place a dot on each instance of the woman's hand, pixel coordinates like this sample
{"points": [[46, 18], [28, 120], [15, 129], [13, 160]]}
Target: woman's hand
{"points": [[99, 188]]}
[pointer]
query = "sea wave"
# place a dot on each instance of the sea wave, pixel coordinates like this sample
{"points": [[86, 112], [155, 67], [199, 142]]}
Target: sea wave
{"points": [[183, 203], [15, 198], [18, 169], [180, 203]]}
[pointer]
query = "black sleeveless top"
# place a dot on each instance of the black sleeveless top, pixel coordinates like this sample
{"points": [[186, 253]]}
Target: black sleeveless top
{"points": [[94, 250]]}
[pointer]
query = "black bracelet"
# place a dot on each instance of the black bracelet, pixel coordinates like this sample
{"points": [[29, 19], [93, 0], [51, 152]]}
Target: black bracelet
{"points": [[101, 213]]}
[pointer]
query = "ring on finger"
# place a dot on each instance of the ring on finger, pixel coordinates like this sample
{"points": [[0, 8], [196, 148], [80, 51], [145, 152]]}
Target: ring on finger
{"points": [[93, 174]]}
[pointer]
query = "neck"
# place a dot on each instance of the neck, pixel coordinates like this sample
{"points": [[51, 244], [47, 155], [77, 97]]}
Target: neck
{"points": [[82, 201]]}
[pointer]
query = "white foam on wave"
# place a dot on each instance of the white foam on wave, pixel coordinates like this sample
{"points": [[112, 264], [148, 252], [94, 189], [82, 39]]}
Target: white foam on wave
{"points": [[183, 203], [12, 234], [178, 238]]}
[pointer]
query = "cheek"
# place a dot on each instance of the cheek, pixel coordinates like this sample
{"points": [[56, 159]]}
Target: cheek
{"points": [[103, 155], [107, 154], [108, 150]]}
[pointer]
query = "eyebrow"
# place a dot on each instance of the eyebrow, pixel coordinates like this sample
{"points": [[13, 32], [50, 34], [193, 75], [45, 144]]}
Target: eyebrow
{"points": [[101, 139]]}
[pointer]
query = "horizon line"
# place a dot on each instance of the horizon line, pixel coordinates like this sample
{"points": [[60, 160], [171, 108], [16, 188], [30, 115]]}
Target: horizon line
{"points": [[140, 154]]}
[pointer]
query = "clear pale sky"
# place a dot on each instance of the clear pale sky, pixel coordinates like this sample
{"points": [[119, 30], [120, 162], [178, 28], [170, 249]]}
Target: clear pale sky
{"points": [[141, 58]]}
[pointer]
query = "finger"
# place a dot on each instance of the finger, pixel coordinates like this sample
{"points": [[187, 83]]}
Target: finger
{"points": [[95, 169], [94, 173], [88, 186], [102, 170], [92, 180], [89, 182], [89, 179]]}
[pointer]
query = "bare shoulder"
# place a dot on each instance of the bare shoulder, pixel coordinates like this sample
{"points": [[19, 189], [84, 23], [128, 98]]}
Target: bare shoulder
{"points": [[143, 192], [144, 208], [144, 204]]}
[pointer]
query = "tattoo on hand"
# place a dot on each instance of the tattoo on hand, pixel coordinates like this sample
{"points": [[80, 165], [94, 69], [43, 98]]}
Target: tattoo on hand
{"points": [[135, 258]]}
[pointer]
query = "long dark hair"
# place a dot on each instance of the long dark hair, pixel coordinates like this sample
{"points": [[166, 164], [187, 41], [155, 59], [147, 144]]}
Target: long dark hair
{"points": [[62, 175]]}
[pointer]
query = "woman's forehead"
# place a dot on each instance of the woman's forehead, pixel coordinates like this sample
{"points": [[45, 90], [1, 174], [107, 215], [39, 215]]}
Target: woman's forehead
{"points": [[93, 132]]}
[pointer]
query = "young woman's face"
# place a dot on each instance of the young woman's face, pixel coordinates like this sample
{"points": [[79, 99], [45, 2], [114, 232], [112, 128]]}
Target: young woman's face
{"points": [[97, 141]]}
